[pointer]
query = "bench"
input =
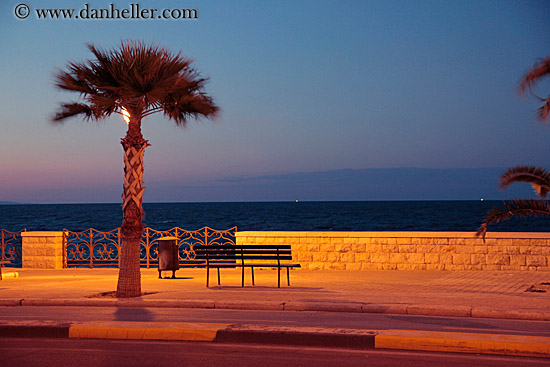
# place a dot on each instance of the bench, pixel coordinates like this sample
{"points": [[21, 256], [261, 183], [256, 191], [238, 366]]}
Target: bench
{"points": [[246, 256]]}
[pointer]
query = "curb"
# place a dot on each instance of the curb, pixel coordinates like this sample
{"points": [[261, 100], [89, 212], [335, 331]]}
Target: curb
{"points": [[438, 341], [499, 344], [130, 330], [11, 275], [302, 336], [396, 309]]}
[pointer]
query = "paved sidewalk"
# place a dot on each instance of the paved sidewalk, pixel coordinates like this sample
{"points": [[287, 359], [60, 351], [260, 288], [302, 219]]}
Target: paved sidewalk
{"points": [[498, 294], [492, 294]]}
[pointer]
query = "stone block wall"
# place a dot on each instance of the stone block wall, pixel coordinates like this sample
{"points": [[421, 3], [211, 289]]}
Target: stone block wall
{"points": [[411, 250], [42, 250]]}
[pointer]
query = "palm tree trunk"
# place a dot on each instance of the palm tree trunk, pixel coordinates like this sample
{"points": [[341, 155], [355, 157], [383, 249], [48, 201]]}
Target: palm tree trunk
{"points": [[129, 276]]}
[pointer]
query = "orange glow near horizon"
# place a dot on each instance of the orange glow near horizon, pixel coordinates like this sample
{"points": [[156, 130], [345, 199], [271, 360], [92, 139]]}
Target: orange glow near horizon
{"points": [[125, 115]]}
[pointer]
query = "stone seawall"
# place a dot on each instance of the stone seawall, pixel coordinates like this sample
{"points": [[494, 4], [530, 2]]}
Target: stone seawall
{"points": [[411, 250]]}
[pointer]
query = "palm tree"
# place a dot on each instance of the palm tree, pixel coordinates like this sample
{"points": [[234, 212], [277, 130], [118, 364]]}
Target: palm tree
{"points": [[538, 178], [135, 80]]}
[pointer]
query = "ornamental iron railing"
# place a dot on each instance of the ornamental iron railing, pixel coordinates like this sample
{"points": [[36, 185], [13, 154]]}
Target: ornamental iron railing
{"points": [[11, 249], [93, 248]]}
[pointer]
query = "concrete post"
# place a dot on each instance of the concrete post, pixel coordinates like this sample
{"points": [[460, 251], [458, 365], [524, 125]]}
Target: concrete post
{"points": [[42, 250]]}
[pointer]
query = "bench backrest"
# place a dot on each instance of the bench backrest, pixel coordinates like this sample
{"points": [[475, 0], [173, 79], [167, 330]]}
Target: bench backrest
{"points": [[242, 253]]}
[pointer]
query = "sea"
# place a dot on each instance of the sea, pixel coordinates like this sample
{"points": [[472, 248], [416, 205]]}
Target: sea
{"points": [[271, 216]]}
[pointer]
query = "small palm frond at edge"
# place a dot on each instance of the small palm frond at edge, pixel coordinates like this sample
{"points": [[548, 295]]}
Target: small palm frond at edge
{"points": [[518, 208], [539, 178]]}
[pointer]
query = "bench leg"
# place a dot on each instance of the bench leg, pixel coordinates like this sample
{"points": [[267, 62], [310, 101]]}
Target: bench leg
{"points": [[207, 275], [242, 275], [252, 268], [279, 277], [160, 277], [219, 276], [288, 276], [173, 274]]}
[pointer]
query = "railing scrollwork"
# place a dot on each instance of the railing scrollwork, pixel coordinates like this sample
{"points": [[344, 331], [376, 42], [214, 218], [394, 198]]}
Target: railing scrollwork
{"points": [[11, 249], [101, 249]]}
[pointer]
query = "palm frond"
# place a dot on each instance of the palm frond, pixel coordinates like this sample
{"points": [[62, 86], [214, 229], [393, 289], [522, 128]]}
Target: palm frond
{"points": [[544, 111], [533, 76], [190, 106], [539, 178], [74, 109], [541, 69], [73, 80], [519, 208]]}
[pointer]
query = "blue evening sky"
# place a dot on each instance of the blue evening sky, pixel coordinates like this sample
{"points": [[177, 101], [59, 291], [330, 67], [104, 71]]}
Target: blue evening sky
{"points": [[305, 87]]}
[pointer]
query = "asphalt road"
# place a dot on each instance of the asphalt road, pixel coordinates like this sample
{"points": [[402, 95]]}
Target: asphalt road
{"points": [[277, 318], [20, 352]]}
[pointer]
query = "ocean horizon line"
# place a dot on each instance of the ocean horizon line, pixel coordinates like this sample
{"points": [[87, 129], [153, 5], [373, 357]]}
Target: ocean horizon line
{"points": [[253, 201]]}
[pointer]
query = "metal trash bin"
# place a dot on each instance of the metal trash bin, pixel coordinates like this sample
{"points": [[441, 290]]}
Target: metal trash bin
{"points": [[168, 255]]}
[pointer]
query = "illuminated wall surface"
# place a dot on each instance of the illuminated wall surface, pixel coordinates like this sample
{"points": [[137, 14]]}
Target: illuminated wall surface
{"points": [[410, 250]]}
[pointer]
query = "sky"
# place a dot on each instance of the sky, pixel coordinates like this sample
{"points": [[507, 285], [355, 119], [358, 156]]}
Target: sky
{"points": [[319, 100]]}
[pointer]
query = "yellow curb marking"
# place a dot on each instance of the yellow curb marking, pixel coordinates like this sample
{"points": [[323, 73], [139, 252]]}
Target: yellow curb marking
{"points": [[146, 330], [12, 275], [463, 342]]}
